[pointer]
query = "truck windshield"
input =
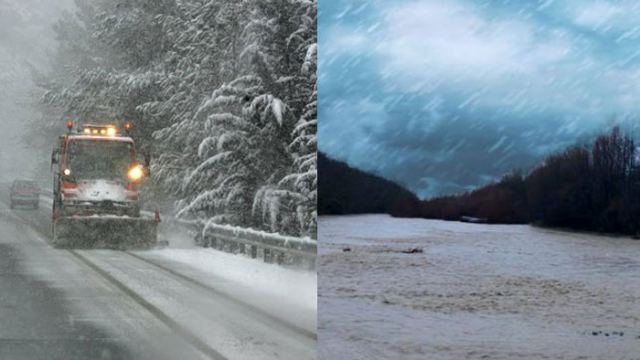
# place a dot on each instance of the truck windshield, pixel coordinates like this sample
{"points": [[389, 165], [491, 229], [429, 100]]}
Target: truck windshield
{"points": [[99, 159]]}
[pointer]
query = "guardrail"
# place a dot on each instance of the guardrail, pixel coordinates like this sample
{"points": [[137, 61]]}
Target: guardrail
{"points": [[272, 248]]}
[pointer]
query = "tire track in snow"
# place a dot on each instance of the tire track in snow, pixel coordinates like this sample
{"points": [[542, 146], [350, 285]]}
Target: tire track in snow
{"points": [[164, 318], [309, 334]]}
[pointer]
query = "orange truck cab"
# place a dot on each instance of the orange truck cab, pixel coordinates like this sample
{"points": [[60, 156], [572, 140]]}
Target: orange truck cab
{"points": [[96, 173]]}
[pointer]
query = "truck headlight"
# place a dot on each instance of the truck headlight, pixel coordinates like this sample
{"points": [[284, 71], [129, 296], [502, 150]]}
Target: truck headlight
{"points": [[135, 173]]}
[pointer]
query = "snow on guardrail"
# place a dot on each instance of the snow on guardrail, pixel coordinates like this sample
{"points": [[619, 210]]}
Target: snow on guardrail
{"points": [[271, 247]]}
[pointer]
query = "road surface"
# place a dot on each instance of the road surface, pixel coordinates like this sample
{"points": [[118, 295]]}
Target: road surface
{"points": [[103, 304], [475, 292]]}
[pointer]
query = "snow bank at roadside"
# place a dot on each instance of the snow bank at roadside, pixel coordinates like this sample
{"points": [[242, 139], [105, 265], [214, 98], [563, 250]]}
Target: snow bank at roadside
{"points": [[298, 287]]}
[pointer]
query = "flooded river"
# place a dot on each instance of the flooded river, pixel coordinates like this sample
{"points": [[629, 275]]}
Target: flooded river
{"points": [[476, 291]]}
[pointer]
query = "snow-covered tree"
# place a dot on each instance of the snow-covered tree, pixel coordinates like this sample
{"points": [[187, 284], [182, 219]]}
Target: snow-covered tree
{"points": [[223, 94]]}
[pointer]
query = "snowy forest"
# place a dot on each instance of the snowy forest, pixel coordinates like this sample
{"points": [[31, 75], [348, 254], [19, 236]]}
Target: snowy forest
{"points": [[222, 95]]}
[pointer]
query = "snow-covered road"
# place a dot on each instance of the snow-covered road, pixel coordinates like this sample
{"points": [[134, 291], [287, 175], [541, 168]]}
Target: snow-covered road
{"points": [[180, 302], [477, 291]]}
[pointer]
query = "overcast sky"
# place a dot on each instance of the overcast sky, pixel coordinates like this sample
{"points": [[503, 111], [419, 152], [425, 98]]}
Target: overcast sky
{"points": [[444, 96], [26, 37]]}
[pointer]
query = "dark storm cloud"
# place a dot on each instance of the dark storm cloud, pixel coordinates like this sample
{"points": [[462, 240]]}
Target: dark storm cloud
{"points": [[445, 96]]}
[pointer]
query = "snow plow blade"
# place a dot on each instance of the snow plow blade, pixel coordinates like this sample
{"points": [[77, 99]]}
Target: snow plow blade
{"points": [[105, 233]]}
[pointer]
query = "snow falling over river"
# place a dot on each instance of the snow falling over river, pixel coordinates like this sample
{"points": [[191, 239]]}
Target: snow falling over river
{"points": [[477, 291]]}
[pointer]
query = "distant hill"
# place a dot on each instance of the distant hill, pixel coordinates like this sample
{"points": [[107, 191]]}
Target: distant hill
{"points": [[593, 187], [345, 190]]}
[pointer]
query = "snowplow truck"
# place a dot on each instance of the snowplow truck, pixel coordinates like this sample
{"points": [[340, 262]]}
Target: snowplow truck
{"points": [[96, 191]]}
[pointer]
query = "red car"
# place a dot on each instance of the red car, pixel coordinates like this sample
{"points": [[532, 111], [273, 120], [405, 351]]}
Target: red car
{"points": [[25, 192]]}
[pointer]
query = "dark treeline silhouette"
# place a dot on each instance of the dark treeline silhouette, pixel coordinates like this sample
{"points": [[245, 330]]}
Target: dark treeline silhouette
{"points": [[345, 190], [593, 188], [502, 202]]}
